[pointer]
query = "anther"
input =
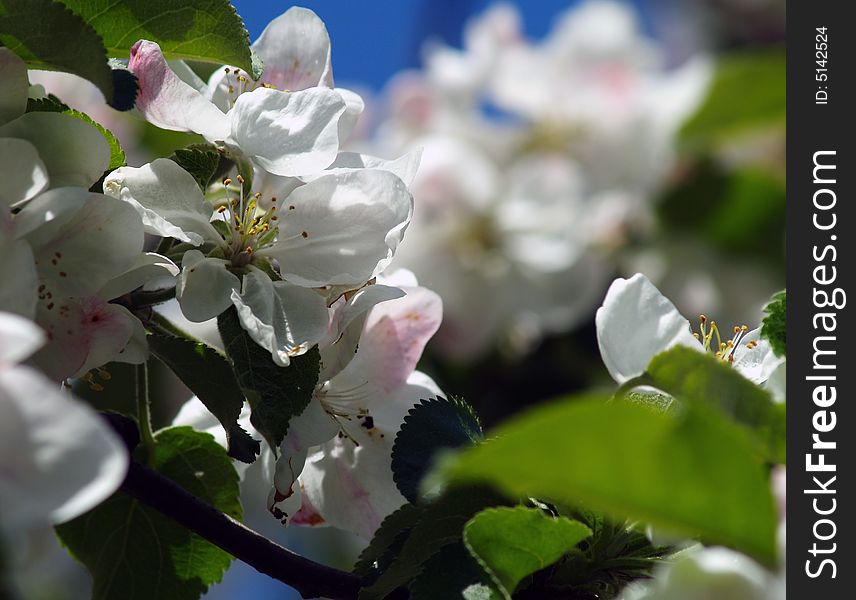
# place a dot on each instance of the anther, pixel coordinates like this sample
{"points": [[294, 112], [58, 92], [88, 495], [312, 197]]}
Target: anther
{"points": [[240, 179], [227, 182]]}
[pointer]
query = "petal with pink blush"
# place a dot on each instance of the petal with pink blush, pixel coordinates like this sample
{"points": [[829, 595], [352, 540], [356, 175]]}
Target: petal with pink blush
{"points": [[83, 333], [393, 340], [295, 48], [170, 103]]}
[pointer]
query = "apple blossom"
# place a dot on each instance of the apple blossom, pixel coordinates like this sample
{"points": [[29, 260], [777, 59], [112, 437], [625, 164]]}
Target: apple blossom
{"points": [[636, 322], [338, 229]]}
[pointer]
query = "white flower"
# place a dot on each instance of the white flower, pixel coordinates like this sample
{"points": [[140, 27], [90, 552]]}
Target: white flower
{"points": [[707, 573], [338, 229], [58, 459], [636, 322], [289, 123]]}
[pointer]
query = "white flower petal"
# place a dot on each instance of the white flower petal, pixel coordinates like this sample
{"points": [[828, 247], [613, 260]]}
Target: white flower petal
{"points": [[167, 198], [295, 48], [204, 286], [18, 274], [354, 107], [73, 151], [24, 173], [343, 229], [148, 266], [635, 323], [13, 92], [170, 103], [19, 338], [58, 459], [288, 133], [85, 248], [404, 166], [281, 317], [310, 428]]}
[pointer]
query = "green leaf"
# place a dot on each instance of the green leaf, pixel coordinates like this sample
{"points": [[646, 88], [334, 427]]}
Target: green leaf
{"points": [[208, 374], [689, 471], [441, 524], [203, 30], [53, 104], [774, 328], [430, 426], [513, 543], [737, 212], [200, 160], [133, 551], [700, 378], [391, 530], [448, 574], [275, 393], [47, 35], [747, 92]]}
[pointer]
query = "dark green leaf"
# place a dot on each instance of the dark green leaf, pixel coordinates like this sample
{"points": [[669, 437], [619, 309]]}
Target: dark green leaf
{"points": [[207, 374], [699, 377], [747, 92], [441, 524], [204, 30], [133, 551], [513, 543], [689, 471], [392, 528], [200, 160], [430, 426], [737, 212], [53, 104], [774, 328], [49, 36], [275, 393], [448, 573]]}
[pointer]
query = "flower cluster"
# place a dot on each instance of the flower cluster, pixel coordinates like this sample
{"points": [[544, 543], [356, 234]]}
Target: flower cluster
{"points": [[540, 161]]}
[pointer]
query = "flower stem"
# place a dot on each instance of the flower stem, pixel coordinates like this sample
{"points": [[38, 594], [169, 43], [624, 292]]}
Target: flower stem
{"points": [[144, 416]]}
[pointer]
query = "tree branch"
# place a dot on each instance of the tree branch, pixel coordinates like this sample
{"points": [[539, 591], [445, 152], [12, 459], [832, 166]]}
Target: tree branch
{"points": [[309, 578]]}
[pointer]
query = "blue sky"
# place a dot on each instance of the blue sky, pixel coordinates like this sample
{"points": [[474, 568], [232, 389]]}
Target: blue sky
{"points": [[373, 39]]}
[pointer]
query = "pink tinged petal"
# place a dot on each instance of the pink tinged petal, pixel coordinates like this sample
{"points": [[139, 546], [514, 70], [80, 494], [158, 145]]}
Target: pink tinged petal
{"points": [[288, 133], [83, 333], [73, 151], [167, 199], [168, 102], [346, 327], [148, 266], [343, 229], [82, 248], [19, 338], [204, 286], [635, 323], [13, 92], [393, 340], [282, 318], [25, 173], [58, 459], [295, 48], [307, 515], [136, 351]]}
